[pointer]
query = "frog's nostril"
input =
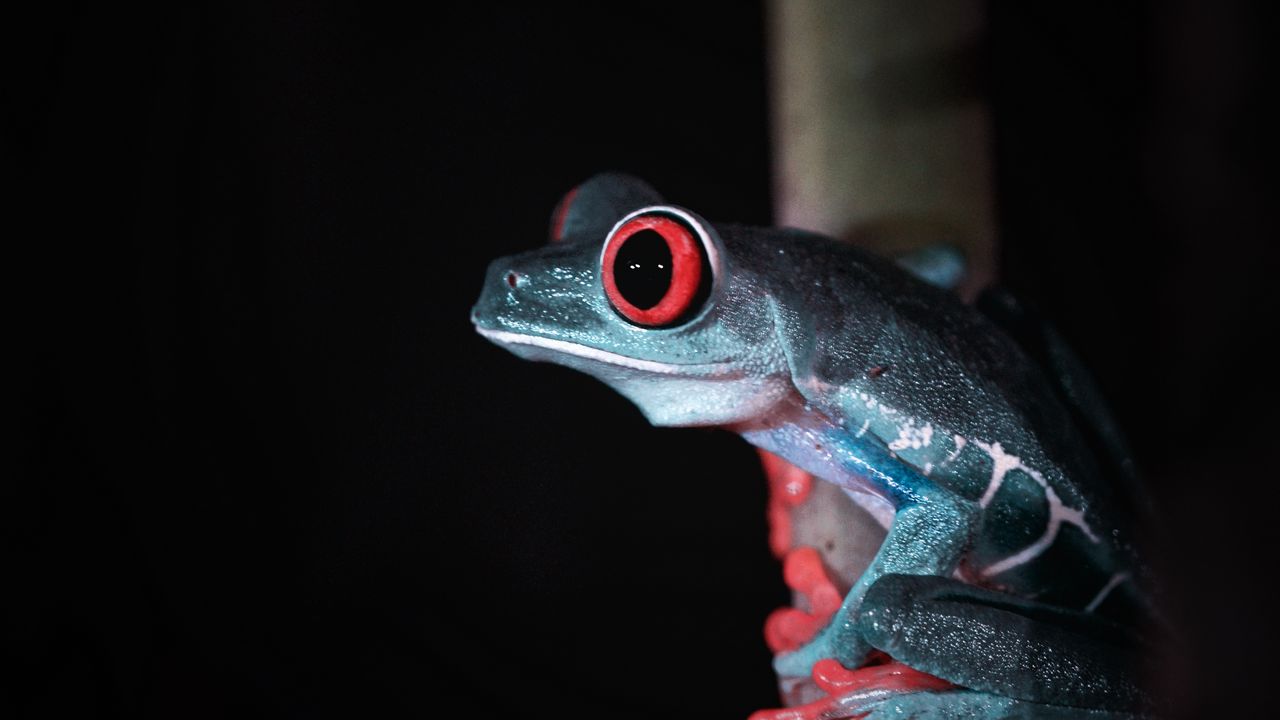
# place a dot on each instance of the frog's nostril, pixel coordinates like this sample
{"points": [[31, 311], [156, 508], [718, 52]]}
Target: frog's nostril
{"points": [[514, 279]]}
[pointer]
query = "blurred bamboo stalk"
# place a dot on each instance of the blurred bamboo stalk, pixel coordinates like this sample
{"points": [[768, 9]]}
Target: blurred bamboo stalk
{"points": [[880, 129], [881, 137]]}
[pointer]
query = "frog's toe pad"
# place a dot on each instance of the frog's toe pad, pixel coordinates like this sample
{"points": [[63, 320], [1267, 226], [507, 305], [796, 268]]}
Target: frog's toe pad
{"points": [[853, 693]]}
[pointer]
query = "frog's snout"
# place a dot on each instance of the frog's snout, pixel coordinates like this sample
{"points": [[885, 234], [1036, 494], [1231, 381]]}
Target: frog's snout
{"points": [[549, 291], [503, 282]]}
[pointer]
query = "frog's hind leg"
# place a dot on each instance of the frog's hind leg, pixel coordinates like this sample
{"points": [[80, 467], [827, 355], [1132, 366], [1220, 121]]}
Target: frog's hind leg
{"points": [[967, 652], [1033, 654], [931, 529]]}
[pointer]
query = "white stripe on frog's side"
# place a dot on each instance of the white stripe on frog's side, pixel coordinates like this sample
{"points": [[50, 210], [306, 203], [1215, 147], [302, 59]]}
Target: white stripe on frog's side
{"points": [[1002, 463], [1106, 590], [863, 430], [913, 436], [960, 442]]}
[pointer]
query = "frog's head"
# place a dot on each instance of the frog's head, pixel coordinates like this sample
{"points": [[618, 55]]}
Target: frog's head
{"points": [[646, 297]]}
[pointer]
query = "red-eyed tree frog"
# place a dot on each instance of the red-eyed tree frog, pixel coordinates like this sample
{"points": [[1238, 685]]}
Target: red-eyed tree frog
{"points": [[1006, 579]]}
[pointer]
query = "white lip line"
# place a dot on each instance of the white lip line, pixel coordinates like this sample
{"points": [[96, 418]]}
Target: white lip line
{"points": [[604, 356]]}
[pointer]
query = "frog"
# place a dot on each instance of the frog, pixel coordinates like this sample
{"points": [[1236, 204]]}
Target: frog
{"points": [[1007, 584]]}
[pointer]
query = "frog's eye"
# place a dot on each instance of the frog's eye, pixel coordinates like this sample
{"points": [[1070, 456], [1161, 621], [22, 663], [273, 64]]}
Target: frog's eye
{"points": [[656, 270]]}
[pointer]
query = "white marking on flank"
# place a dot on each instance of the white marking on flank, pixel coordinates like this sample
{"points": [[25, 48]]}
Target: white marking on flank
{"points": [[605, 356], [1106, 590], [912, 437], [1002, 464], [960, 443], [863, 430]]}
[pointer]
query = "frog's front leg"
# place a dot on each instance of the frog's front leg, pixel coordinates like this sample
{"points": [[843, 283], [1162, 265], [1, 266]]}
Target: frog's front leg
{"points": [[932, 528], [927, 538]]}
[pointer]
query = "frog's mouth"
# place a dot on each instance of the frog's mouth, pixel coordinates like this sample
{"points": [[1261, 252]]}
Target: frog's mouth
{"points": [[537, 347], [685, 394]]}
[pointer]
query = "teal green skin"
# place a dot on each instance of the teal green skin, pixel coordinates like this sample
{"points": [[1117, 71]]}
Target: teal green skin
{"points": [[1003, 529]]}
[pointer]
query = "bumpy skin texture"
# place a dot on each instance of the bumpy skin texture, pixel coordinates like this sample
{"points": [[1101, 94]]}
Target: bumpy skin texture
{"points": [[1006, 549]]}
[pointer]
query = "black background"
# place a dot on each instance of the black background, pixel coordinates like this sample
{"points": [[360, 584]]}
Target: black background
{"points": [[264, 466]]}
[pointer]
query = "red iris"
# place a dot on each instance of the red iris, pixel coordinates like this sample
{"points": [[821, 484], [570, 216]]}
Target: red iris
{"points": [[655, 270]]}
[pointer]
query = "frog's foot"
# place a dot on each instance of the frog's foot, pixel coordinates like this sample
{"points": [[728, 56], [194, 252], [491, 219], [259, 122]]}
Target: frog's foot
{"points": [[827, 644], [854, 693], [801, 636], [846, 693]]}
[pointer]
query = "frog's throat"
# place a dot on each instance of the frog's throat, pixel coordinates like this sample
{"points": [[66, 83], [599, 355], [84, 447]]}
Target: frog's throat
{"points": [[714, 369]]}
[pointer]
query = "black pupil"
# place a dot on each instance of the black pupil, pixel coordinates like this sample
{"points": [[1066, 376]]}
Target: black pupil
{"points": [[642, 269]]}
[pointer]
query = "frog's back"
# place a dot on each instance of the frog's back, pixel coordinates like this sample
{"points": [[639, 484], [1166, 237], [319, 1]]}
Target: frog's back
{"points": [[951, 394]]}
